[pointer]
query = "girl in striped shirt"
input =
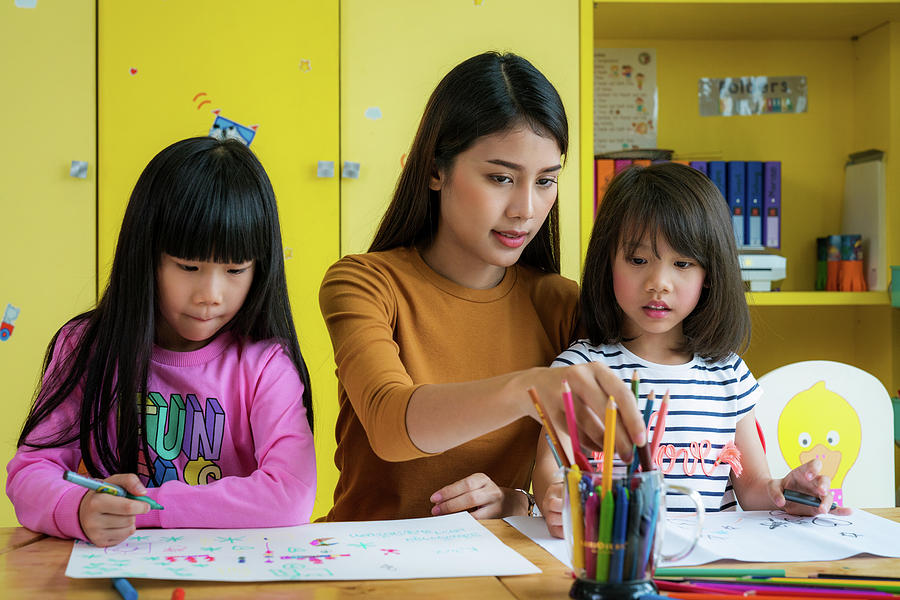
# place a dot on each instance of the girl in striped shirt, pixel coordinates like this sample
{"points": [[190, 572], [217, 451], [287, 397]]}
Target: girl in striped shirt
{"points": [[662, 298]]}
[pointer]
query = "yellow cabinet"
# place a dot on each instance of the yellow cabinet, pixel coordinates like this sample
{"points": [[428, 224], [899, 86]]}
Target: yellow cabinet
{"points": [[165, 67], [850, 53], [47, 216]]}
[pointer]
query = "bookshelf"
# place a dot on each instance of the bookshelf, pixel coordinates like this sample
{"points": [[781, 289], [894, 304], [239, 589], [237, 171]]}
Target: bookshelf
{"points": [[850, 53]]}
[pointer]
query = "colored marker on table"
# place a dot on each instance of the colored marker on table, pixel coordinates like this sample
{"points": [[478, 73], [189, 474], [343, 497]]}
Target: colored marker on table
{"points": [[104, 487], [808, 500]]}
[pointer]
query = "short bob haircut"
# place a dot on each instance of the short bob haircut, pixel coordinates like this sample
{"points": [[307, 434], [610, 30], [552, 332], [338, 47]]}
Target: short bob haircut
{"points": [[483, 95], [683, 206], [198, 199]]}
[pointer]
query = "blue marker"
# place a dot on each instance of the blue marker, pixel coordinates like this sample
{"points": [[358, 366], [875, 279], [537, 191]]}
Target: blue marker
{"points": [[103, 487], [620, 530], [124, 588]]}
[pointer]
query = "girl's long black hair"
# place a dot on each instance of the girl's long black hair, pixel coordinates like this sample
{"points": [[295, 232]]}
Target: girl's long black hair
{"points": [[198, 199], [485, 94]]}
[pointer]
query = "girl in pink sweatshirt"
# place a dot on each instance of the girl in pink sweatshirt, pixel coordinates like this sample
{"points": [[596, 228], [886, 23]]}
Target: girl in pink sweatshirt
{"points": [[185, 383]]}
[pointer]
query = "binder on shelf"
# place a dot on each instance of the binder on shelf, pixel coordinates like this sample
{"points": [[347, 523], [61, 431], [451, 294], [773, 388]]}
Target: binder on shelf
{"points": [[772, 204], [753, 218], [700, 165], [604, 169], [736, 186], [642, 162], [715, 170], [621, 164]]}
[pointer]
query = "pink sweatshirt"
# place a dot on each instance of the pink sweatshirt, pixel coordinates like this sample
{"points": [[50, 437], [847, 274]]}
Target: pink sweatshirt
{"points": [[227, 430]]}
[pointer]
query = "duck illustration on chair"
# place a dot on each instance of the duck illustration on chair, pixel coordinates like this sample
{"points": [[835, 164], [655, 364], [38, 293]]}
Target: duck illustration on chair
{"points": [[819, 423]]}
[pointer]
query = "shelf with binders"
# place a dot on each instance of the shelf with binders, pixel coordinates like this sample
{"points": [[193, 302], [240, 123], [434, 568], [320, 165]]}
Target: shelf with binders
{"points": [[849, 53]]}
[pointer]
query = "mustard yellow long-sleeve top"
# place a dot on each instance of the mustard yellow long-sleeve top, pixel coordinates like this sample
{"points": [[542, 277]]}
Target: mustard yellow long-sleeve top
{"points": [[396, 324]]}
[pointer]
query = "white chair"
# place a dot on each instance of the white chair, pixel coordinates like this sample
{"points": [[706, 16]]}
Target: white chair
{"points": [[836, 412]]}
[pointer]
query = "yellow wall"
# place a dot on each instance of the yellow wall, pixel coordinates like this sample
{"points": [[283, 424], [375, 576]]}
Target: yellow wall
{"points": [[48, 108], [394, 52]]}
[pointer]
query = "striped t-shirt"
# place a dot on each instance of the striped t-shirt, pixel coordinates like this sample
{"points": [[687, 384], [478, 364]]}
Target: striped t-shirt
{"points": [[706, 400]]}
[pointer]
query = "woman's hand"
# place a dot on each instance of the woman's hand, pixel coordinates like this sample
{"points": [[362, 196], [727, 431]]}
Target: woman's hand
{"points": [[479, 495], [592, 384], [551, 507], [806, 478], [107, 520]]}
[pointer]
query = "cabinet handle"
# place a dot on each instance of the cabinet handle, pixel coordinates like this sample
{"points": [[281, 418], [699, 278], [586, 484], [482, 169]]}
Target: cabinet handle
{"points": [[325, 168], [350, 170]]}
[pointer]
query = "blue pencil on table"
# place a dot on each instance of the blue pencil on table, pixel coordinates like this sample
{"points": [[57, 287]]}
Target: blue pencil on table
{"points": [[125, 589], [104, 487]]}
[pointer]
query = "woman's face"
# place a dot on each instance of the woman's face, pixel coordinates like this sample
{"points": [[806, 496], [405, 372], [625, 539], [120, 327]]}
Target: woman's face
{"points": [[494, 199]]}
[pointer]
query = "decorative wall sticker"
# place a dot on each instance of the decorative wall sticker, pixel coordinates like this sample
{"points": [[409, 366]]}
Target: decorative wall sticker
{"points": [[133, 71], [26, 3], [305, 65], [9, 317], [223, 128], [373, 112], [200, 99]]}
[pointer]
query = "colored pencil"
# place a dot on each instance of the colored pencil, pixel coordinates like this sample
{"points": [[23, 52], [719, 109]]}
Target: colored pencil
{"points": [[573, 476], [660, 426], [619, 534], [691, 572], [591, 528], [553, 451], [635, 391], [851, 576], [609, 445], [548, 425], [579, 457], [604, 536]]}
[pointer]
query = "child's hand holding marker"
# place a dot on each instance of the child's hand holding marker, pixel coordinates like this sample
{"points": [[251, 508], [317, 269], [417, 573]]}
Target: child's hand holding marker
{"points": [[107, 518], [793, 492]]}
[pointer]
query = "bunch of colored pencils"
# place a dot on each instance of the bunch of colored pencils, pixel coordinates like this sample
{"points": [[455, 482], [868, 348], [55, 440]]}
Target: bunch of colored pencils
{"points": [[711, 584], [612, 525]]}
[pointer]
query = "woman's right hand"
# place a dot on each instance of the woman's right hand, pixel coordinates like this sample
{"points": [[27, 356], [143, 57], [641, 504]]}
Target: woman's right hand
{"points": [[592, 384], [107, 520]]}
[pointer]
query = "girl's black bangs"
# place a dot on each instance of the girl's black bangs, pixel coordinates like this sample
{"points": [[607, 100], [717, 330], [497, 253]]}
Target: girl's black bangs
{"points": [[213, 218]]}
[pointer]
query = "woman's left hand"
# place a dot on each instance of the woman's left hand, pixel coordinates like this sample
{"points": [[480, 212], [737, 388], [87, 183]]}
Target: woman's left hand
{"points": [[479, 495]]}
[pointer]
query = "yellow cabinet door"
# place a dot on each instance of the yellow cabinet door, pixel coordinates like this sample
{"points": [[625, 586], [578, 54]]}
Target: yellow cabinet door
{"points": [[164, 67], [47, 216], [393, 54]]}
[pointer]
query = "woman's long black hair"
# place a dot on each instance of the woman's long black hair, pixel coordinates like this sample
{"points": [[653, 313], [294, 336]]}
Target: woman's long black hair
{"points": [[486, 94], [198, 199]]}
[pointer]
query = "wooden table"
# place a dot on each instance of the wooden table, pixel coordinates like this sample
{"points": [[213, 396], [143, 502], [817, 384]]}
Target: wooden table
{"points": [[33, 566]]}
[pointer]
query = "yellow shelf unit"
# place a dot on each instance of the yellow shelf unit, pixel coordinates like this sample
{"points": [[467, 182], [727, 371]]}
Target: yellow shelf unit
{"points": [[849, 52]]}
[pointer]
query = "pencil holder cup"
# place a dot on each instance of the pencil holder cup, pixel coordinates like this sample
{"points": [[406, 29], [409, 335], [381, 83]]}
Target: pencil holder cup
{"points": [[616, 539]]}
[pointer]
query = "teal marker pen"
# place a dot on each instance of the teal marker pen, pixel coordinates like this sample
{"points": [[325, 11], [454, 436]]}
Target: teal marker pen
{"points": [[103, 487]]}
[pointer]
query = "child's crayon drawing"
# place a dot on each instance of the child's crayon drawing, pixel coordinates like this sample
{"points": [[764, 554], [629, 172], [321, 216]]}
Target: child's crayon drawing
{"points": [[776, 536], [453, 545]]}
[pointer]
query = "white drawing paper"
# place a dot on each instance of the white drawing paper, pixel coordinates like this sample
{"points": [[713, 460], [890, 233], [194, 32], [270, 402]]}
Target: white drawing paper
{"points": [[453, 545], [756, 536]]}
